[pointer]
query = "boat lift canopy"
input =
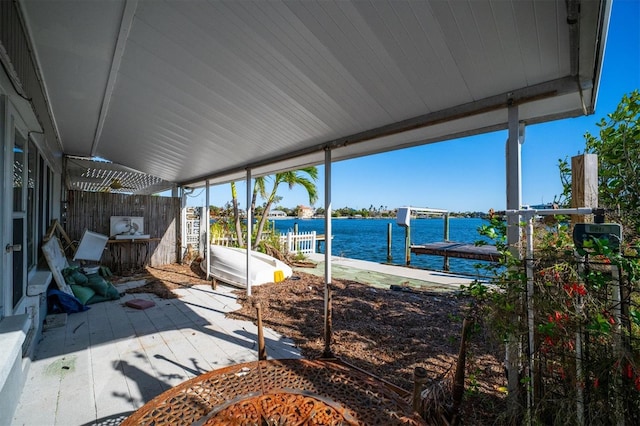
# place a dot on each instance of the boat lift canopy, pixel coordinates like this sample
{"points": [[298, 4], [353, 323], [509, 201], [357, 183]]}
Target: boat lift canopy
{"points": [[403, 216]]}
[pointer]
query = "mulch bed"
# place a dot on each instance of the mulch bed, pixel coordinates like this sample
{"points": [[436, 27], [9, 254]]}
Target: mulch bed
{"points": [[385, 332]]}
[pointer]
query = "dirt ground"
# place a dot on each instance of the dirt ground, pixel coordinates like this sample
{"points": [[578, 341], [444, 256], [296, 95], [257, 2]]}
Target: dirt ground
{"points": [[384, 332]]}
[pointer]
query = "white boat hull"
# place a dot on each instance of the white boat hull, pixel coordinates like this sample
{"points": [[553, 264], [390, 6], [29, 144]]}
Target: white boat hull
{"points": [[229, 265]]}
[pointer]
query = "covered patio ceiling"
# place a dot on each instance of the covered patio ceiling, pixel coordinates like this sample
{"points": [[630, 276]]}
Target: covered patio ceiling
{"points": [[196, 90]]}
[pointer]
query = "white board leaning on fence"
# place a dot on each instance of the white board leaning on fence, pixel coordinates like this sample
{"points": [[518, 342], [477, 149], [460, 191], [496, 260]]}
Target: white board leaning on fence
{"points": [[57, 261]]}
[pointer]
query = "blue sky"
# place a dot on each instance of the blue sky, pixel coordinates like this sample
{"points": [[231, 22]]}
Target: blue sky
{"points": [[469, 174]]}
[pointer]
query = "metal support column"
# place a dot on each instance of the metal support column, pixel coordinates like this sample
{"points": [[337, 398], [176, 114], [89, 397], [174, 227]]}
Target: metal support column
{"points": [[514, 201], [249, 218], [327, 254], [207, 251], [514, 175]]}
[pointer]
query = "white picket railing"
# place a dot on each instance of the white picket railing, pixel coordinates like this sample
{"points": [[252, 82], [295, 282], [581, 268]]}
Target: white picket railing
{"points": [[192, 232], [304, 243], [224, 241]]}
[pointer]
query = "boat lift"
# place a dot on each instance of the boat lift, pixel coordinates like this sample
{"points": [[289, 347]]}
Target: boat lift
{"points": [[403, 219], [445, 248]]}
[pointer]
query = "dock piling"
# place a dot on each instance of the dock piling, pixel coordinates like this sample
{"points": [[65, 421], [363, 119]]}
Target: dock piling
{"points": [[389, 256], [407, 245]]}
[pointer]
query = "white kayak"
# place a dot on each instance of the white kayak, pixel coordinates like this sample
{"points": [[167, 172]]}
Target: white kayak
{"points": [[229, 265]]}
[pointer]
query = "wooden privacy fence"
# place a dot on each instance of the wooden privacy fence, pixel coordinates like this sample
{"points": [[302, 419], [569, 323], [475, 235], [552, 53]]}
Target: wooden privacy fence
{"points": [[93, 210]]}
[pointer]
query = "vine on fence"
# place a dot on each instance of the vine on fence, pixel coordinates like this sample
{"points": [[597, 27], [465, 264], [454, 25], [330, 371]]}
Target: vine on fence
{"points": [[587, 326]]}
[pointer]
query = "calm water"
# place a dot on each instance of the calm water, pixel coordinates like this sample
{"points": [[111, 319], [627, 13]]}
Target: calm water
{"points": [[366, 239]]}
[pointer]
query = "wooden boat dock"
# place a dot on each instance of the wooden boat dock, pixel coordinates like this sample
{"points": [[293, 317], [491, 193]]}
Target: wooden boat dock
{"points": [[448, 249]]}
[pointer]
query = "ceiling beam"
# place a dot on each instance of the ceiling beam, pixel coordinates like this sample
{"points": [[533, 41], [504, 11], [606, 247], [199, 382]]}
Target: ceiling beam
{"points": [[125, 27]]}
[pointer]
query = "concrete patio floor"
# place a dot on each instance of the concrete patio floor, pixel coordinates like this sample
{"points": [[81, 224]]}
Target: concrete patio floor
{"points": [[108, 361]]}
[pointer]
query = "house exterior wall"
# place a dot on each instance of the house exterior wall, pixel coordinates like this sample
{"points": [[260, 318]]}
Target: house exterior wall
{"points": [[23, 110]]}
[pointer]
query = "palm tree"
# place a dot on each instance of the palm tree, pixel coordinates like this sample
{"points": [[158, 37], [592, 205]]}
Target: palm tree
{"points": [[258, 189], [236, 214], [291, 178]]}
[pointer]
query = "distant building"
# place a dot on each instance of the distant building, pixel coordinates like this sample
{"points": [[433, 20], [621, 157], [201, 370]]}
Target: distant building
{"points": [[277, 214], [305, 212]]}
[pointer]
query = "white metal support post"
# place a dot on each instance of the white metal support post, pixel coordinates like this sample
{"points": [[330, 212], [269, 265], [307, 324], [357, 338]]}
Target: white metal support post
{"points": [[514, 201], [514, 175], [207, 250], [248, 209], [327, 254], [183, 220]]}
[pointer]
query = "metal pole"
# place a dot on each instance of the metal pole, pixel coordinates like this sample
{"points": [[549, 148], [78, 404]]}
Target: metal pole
{"points": [[530, 314], [327, 255], [207, 249], [514, 201], [249, 225]]}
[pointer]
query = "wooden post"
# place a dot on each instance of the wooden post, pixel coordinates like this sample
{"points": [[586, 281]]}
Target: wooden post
{"points": [[584, 185], [458, 380], [445, 219], [420, 377], [262, 349], [327, 354], [389, 256], [407, 245]]}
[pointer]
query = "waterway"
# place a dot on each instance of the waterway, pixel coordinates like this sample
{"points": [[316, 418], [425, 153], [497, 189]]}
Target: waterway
{"points": [[366, 239]]}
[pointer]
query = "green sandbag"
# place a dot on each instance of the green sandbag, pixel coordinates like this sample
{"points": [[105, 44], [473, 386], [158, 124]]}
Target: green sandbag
{"points": [[83, 294], [72, 275], [98, 284], [112, 294], [97, 299]]}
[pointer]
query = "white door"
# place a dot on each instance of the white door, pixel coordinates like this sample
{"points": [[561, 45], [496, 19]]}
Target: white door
{"points": [[14, 209]]}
